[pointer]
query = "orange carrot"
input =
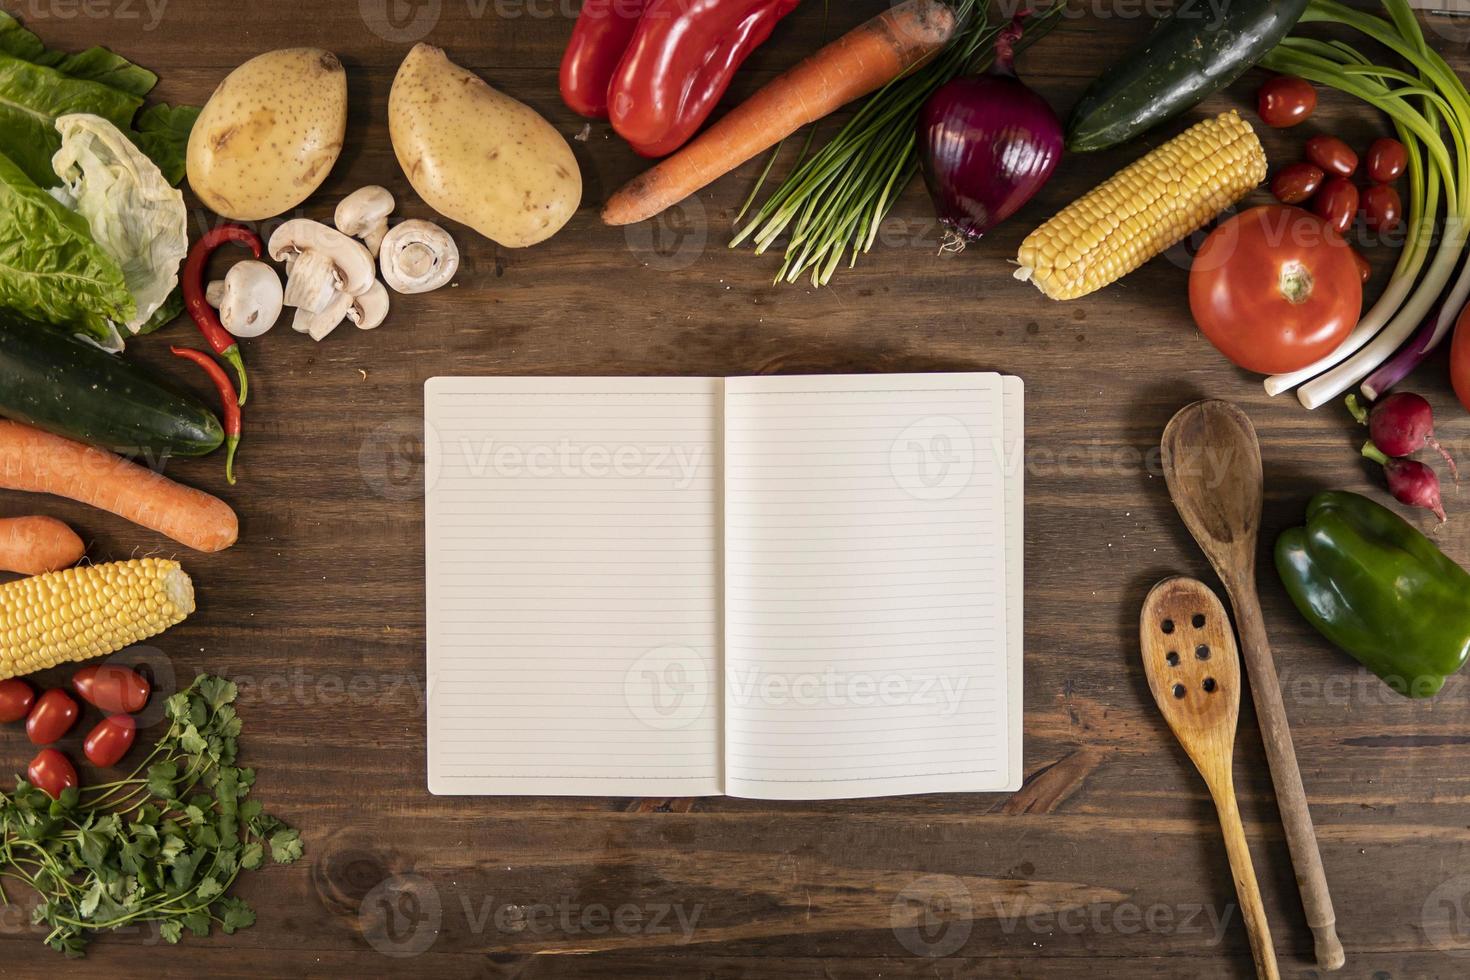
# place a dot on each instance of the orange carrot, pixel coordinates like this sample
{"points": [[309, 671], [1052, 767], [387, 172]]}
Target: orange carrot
{"points": [[42, 463], [35, 545], [856, 64]]}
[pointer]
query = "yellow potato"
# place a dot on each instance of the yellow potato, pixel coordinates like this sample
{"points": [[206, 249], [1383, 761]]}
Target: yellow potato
{"points": [[477, 156], [269, 134]]}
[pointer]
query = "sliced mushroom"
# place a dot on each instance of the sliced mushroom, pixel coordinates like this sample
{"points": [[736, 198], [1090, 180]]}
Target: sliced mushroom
{"points": [[321, 262], [418, 256], [214, 293], [250, 302], [318, 325], [370, 309], [364, 214]]}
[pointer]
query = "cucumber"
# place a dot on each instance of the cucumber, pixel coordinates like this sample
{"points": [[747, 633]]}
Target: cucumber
{"points": [[1195, 51], [67, 386]]}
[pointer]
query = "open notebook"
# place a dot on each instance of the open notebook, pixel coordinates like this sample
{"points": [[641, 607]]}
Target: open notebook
{"points": [[773, 587]]}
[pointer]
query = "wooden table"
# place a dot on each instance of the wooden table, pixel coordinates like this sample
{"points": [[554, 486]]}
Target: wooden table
{"points": [[1107, 862]]}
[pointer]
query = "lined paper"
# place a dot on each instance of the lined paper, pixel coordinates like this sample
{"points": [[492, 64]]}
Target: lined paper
{"points": [[867, 627], [573, 584]]}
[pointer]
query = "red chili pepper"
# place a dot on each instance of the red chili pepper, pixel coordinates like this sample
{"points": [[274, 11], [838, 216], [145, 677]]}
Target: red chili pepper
{"points": [[599, 41], [220, 340], [680, 62], [229, 405]]}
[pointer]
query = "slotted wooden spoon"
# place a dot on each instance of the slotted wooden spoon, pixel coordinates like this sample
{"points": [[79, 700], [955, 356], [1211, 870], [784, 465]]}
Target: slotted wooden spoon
{"points": [[1193, 670], [1212, 461]]}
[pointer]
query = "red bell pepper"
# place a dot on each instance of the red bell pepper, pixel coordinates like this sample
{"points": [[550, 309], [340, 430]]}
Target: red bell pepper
{"points": [[680, 62], [599, 41]]}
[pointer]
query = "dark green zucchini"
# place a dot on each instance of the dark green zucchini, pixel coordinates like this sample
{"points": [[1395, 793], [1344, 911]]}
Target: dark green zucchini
{"points": [[67, 386], [1195, 51]]}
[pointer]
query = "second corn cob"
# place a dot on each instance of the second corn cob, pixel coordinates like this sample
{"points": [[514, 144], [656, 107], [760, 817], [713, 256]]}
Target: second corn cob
{"points": [[89, 611], [1144, 209]]}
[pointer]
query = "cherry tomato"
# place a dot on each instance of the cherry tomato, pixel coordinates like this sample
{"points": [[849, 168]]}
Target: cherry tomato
{"points": [[113, 688], [1285, 101], [110, 740], [1296, 182], [1382, 208], [1332, 155], [52, 717], [1364, 269], [1337, 204], [1275, 289], [1386, 160], [51, 772], [16, 698]]}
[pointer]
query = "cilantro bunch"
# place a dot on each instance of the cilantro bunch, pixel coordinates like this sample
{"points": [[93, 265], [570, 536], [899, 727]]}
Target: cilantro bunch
{"points": [[163, 845]]}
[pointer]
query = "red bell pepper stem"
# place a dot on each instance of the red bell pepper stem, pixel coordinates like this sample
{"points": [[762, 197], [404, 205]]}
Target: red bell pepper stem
{"points": [[220, 340], [229, 405]]}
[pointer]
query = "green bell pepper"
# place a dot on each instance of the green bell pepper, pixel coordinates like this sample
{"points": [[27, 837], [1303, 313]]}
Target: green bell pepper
{"points": [[1380, 590]]}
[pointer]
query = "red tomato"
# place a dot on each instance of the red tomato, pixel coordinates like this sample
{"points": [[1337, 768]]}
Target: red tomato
{"points": [[1386, 160], [1332, 155], [16, 698], [51, 772], [1337, 204], [1364, 269], [1285, 101], [1296, 182], [1460, 358], [113, 688], [1274, 289], [110, 740], [1382, 208], [52, 717]]}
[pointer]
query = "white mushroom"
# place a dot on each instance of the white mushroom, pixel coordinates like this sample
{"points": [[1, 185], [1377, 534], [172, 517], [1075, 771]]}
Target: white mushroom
{"points": [[214, 293], [370, 309], [321, 262], [318, 325], [364, 214], [250, 302], [418, 256]]}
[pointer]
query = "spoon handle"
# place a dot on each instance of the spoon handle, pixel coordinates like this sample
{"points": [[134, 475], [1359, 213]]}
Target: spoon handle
{"points": [[1301, 838], [1246, 888]]}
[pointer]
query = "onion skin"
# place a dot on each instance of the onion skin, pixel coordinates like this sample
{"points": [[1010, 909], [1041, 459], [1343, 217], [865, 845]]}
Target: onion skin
{"points": [[987, 144]]}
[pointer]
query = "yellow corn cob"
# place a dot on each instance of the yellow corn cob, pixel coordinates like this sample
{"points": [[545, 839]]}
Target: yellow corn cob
{"points": [[88, 612], [1145, 208]]}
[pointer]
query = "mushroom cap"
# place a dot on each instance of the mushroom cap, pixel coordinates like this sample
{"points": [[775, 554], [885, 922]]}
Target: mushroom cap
{"points": [[251, 301], [350, 263], [418, 256], [214, 293], [370, 309], [318, 325], [363, 210]]}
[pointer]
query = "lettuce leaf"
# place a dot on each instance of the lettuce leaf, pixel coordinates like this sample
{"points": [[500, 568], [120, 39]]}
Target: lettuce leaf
{"points": [[50, 267], [135, 216], [94, 64], [163, 133]]}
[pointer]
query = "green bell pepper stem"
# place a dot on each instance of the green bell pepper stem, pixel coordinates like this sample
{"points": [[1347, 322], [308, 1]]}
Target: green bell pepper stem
{"points": [[1380, 590]]}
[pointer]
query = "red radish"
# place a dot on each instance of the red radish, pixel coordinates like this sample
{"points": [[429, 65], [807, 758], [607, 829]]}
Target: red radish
{"points": [[1401, 425], [1410, 481]]}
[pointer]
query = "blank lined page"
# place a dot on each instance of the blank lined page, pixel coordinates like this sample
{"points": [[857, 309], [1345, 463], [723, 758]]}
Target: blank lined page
{"points": [[573, 549], [866, 607]]}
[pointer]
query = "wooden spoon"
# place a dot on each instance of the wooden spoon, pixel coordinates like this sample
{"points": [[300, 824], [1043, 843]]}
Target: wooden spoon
{"points": [[1212, 461], [1194, 672]]}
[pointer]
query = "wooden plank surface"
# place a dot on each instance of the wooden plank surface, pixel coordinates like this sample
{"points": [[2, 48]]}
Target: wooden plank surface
{"points": [[1107, 863]]}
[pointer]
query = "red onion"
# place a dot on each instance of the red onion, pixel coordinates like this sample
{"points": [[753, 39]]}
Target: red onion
{"points": [[987, 144]]}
